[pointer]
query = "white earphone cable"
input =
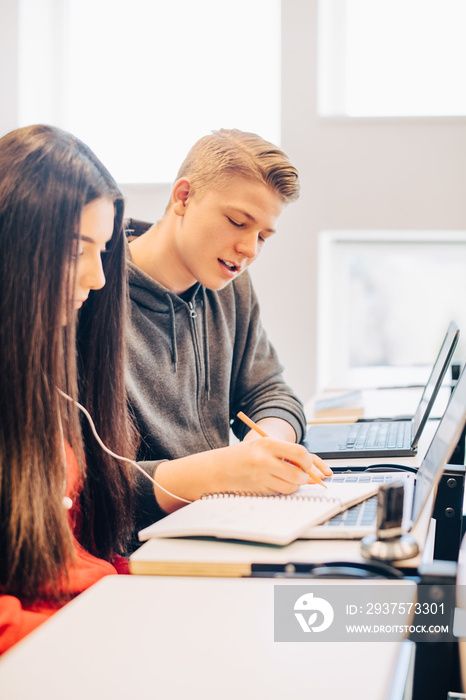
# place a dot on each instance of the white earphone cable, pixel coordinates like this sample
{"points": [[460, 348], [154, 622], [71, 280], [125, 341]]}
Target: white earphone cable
{"points": [[112, 454]]}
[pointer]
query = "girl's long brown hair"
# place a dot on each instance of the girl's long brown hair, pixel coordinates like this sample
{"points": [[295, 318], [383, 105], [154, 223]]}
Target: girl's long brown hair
{"points": [[47, 176]]}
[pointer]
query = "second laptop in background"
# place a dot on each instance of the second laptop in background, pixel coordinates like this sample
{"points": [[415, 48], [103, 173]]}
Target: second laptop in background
{"points": [[384, 438]]}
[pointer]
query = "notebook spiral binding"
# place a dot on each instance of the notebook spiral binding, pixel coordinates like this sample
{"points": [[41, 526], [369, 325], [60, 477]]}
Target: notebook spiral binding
{"points": [[276, 496]]}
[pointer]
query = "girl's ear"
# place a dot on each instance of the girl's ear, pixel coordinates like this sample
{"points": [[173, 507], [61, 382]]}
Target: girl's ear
{"points": [[180, 193]]}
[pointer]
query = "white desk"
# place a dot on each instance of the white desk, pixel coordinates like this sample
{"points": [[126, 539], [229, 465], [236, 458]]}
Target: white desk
{"points": [[184, 638]]}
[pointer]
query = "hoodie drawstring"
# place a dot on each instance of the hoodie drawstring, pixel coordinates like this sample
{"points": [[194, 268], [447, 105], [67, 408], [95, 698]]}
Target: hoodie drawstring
{"points": [[174, 349], [206, 345]]}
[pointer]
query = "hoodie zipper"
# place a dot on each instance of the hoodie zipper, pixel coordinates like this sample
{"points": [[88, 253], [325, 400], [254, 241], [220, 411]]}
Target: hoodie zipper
{"points": [[200, 368], [193, 315]]}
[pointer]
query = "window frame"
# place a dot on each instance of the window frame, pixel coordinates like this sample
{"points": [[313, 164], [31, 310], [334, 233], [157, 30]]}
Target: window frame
{"points": [[333, 337]]}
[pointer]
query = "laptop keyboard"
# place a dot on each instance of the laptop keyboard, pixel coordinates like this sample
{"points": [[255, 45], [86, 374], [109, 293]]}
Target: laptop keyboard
{"points": [[363, 514], [378, 435]]}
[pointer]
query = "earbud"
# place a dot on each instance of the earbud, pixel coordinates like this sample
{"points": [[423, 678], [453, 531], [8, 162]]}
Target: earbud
{"points": [[67, 502]]}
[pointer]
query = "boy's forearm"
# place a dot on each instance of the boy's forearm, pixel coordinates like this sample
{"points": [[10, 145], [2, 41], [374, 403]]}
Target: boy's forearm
{"points": [[189, 477]]}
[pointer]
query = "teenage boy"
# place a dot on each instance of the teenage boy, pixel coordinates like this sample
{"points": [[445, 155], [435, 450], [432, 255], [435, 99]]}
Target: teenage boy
{"points": [[197, 351]]}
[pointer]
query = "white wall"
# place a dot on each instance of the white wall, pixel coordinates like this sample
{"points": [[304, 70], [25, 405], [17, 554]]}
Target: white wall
{"points": [[8, 65], [146, 202], [355, 174], [359, 174]]}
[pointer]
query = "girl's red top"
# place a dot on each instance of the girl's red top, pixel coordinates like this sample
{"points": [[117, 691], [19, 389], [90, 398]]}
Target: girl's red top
{"points": [[18, 619]]}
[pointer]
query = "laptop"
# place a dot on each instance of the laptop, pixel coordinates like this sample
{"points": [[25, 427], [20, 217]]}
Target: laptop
{"points": [[360, 520], [380, 437]]}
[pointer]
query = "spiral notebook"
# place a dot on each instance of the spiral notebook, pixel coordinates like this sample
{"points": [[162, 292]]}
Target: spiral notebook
{"points": [[275, 519]]}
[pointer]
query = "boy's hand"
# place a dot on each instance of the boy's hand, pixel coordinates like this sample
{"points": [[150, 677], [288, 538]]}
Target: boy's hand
{"points": [[271, 466]]}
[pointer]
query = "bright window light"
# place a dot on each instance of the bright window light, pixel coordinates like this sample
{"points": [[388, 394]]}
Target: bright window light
{"points": [[394, 58], [385, 299], [141, 81]]}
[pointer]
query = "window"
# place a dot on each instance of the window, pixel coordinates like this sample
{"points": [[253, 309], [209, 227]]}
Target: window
{"points": [[384, 303], [395, 58], [141, 81]]}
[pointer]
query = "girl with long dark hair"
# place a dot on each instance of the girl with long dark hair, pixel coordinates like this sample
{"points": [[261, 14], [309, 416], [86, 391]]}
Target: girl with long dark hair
{"points": [[65, 504]]}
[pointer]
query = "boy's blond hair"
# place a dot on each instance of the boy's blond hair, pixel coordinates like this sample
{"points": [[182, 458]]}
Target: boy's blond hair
{"points": [[227, 153]]}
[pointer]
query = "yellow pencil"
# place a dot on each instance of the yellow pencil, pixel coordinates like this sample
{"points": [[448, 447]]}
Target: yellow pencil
{"points": [[242, 416], [250, 423]]}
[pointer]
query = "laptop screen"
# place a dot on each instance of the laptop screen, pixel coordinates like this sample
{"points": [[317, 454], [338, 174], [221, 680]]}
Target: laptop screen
{"points": [[441, 448], [433, 383]]}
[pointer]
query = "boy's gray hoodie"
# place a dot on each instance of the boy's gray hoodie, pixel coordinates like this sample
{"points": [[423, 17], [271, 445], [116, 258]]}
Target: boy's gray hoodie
{"points": [[194, 361]]}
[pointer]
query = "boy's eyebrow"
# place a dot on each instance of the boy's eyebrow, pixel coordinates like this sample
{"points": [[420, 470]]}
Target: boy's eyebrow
{"points": [[251, 218]]}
